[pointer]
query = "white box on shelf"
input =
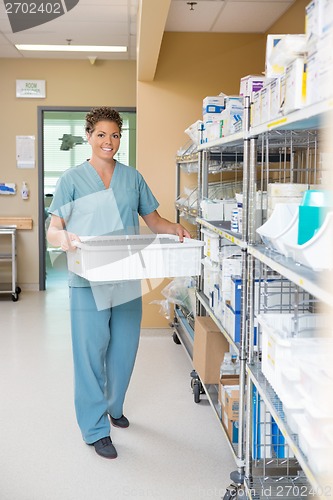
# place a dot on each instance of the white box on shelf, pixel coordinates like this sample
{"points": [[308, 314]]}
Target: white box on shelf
{"points": [[275, 98], [325, 17], [210, 275], [213, 104], [212, 209], [229, 267], [250, 84], [213, 130], [229, 206], [279, 341], [256, 109], [281, 50], [312, 77], [312, 27], [211, 248], [325, 66], [265, 104], [130, 257], [272, 70], [295, 97]]}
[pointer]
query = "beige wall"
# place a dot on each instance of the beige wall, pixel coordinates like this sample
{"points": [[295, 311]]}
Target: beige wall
{"points": [[68, 83]]}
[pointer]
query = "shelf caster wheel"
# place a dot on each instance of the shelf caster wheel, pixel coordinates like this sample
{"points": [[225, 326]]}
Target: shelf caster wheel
{"points": [[14, 297], [175, 338], [18, 290], [196, 391], [196, 386], [231, 492]]}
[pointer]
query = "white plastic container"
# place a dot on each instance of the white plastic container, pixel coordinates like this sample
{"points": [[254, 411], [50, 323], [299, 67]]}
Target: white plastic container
{"points": [[113, 258], [315, 253], [283, 218], [278, 344]]}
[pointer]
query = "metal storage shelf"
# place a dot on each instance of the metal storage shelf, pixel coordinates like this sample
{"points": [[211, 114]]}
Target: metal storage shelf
{"points": [[275, 488], [222, 228], [184, 332], [297, 131], [211, 392], [317, 284], [230, 140], [309, 117], [274, 405]]}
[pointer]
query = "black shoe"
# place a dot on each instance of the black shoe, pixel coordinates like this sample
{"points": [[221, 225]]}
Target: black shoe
{"points": [[120, 422], [105, 448]]}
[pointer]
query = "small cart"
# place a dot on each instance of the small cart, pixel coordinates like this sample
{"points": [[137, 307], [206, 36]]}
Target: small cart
{"points": [[8, 255]]}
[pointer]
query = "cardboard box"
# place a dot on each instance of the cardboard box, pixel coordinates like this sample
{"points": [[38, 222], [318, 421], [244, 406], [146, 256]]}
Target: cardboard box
{"points": [[208, 349], [231, 427], [228, 394]]}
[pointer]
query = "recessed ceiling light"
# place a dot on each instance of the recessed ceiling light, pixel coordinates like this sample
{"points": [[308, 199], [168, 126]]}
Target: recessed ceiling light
{"points": [[73, 48]]}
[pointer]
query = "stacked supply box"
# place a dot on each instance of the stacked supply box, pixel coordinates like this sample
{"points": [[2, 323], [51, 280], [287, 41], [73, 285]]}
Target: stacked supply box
{"points": [[232, 116], [319, 35], [209, 348], [212, 107], [229, 399], [217, 209], [250, 84], [222, 115]]}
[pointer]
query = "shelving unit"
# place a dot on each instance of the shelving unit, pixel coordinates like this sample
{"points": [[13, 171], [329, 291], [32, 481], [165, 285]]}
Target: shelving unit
{"points": [[305, 121], [270, 477]]}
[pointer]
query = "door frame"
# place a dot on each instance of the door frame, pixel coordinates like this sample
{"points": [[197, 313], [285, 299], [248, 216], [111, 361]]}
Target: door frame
{"points": [[41, 204]]}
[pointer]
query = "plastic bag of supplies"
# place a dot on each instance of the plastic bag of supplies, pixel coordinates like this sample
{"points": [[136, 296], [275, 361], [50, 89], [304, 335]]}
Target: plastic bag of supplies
{"points": [[180, 291]]}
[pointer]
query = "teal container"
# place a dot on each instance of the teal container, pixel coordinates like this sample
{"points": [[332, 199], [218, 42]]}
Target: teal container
{"points": [[316, 203]]}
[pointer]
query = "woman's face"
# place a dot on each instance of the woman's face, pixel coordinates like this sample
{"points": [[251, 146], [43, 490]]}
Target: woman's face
{"points": [[104, 140]]}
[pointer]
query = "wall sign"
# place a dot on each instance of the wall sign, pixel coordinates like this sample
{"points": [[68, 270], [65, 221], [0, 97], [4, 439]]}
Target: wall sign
{"points": [[30, 88], [25, 151]]}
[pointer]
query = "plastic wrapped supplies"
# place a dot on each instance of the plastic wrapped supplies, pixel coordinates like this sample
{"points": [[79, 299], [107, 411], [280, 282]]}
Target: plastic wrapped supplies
{"points": [[181, 292]]}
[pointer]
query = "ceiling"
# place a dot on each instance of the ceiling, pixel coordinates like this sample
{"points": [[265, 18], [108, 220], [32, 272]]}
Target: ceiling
{"points": [[114, 22]]}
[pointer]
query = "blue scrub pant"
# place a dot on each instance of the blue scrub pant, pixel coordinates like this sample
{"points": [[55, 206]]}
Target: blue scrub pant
{"points": [[105, 343]]}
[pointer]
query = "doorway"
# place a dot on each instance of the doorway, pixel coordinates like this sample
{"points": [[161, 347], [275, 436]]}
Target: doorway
{"points": [[62, 144]]}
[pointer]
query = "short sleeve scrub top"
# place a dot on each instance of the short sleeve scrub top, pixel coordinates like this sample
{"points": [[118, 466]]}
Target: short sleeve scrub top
{"points": [[90, 209]]}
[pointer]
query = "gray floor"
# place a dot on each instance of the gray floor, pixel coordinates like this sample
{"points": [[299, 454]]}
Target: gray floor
{"points": [[174, 448]]}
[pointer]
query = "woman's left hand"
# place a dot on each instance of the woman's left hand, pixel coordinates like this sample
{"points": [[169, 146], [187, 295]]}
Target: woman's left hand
{"points": [[181, 232]]}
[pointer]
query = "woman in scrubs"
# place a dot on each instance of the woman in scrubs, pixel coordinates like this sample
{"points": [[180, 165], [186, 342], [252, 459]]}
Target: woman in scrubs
{"points": [[103, 197]]}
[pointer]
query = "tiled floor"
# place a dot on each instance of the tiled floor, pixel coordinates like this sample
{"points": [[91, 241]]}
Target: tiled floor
{"points": [[174, 449]]}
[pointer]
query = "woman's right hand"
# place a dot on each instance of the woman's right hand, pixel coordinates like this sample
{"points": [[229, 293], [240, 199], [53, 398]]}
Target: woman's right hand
{"points": [[57, 235], [66, 241]]}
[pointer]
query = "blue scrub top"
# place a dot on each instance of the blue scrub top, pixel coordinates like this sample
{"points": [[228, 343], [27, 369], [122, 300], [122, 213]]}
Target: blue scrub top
{"points": [[90, 209]]}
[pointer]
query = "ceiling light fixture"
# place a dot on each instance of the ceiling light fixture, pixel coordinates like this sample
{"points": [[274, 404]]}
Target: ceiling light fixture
{"points": [[73, 48], [191, 4]]}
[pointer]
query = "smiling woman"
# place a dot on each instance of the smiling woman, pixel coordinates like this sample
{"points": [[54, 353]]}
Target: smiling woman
{"points": [[103, 197]]}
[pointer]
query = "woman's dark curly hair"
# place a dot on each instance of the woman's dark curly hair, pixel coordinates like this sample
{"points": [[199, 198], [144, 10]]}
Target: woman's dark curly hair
{"points": [[103, 113]]}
